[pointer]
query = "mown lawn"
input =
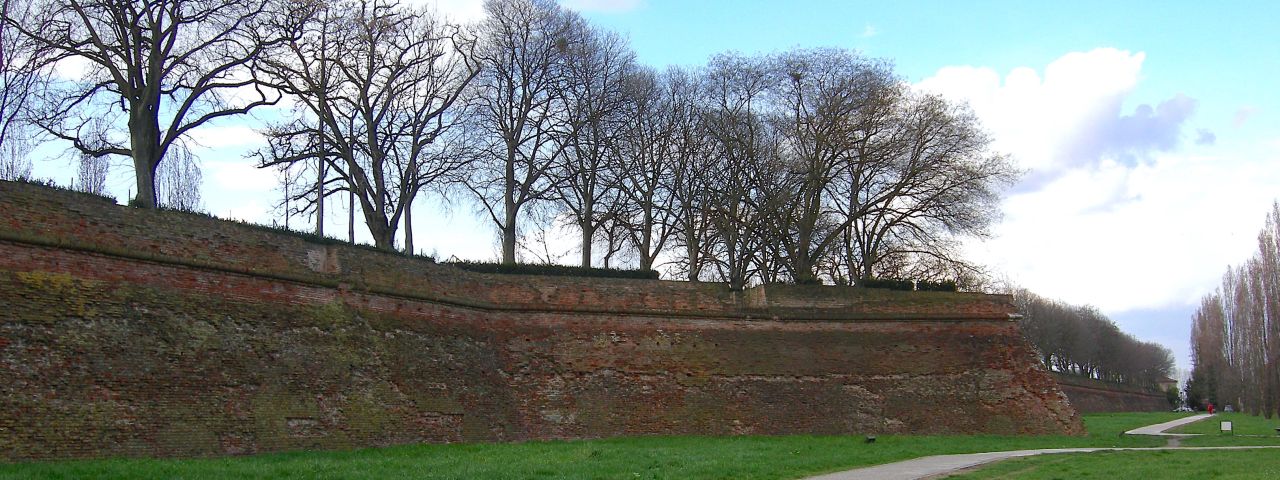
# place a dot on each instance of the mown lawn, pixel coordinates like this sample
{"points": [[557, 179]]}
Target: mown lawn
{"points": [[1246, 430], [644, 457], [1215, 464]]}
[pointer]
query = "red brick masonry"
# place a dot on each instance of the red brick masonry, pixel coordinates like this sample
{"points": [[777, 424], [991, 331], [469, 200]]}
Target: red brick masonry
{"points": [[140, 333], [1093, 396]]}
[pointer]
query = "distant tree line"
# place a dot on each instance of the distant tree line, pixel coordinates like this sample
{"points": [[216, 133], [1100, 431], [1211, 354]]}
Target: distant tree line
{"points": [[803, 166], [1235, 334], [1080, 340]]}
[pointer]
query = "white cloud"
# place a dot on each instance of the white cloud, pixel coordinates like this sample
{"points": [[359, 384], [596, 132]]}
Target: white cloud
{"points": [[1038, 118], [72, 68], [869, 31], [1243, 114], [1126, 239], [1124, 215], [602, 6], [232, 176], [461, 11], [225, 136]]}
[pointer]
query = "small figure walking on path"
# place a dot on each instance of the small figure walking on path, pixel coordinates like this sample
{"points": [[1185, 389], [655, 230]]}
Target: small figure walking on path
{"points": [[1210, 408]]}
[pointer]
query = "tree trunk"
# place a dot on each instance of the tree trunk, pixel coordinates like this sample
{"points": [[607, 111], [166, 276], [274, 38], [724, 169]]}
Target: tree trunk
{"points": [[351, 216], [509, 238], [646, 242], [804, 271], [408, 227], [691, 252], [383, 237], [144, 138], [509, 209], [588, 233], [320, 192]]}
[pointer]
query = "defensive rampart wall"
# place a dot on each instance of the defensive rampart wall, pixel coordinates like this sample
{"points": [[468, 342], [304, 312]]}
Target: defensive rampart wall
{"points": [[127, 332], [1094, 396]]}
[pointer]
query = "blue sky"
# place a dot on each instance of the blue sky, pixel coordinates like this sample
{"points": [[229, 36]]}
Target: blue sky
{"points": [[1150, 130]]}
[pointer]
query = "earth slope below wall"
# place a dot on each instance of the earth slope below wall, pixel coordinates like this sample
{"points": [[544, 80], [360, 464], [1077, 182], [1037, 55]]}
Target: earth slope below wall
{"points": [[129, 332]]}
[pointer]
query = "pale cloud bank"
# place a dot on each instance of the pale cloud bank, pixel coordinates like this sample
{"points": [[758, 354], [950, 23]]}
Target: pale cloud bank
{"points": [[1071, 116], [1243, 114], [1123, 209]]}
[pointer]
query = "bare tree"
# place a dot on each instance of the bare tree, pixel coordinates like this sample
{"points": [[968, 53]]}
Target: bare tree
{"points": [[178, 181], [823, 101], [92, 174], [743, 151], [23, 77], [690, 203], [520, 115], [1080, 340], [659, 137], [594, 96], [14, 161], [378, 86], [159, 68], [935, 178], [1236, 332]]}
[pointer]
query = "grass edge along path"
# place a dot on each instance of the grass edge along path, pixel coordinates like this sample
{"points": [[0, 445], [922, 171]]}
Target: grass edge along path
{"points": [[1246, 430], [1167, 463], [749, 457]]}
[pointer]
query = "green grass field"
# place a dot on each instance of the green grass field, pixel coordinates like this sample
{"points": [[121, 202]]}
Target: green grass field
{"points": [[1241, 424], [1237, 464], [1246, 430], [645, 457], [1214, 464]]}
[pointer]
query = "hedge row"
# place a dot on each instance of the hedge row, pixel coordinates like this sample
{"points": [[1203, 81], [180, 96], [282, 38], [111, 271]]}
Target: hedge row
{"points": [[908, 285], [555, 270]]}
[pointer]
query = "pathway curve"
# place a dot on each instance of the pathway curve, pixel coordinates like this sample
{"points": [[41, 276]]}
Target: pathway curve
{"points": [[1159, 428], [938, 465]]}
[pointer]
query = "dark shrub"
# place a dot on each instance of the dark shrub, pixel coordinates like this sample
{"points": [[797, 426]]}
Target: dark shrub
{"points": [[555, 270], [943, 286], [888, 283]]}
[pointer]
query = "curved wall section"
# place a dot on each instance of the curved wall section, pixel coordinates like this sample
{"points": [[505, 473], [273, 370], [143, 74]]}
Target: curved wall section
{"points": [[140, 333]]}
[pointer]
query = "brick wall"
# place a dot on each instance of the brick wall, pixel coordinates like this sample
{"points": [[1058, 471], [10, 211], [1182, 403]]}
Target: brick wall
{"points": [[1093, 396], [138, 333]]}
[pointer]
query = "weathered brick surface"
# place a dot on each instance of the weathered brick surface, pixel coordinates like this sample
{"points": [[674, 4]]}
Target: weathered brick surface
{"points": [[127, 332], [1092, 396]]}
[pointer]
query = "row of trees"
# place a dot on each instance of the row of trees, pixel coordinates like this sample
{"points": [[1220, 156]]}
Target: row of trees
{"points": [[1235, 334], [802, 166], [1080, 340]]}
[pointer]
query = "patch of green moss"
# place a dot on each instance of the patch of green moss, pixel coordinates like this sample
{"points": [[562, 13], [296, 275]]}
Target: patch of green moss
{"points": [[329, 315], [272, 408], [367, 416], [72, 295], [187, 439]]}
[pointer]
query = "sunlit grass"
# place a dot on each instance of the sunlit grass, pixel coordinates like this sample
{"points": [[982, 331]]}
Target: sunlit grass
{"points": [[643, 457], [1245, 430], [1215, 464]]}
